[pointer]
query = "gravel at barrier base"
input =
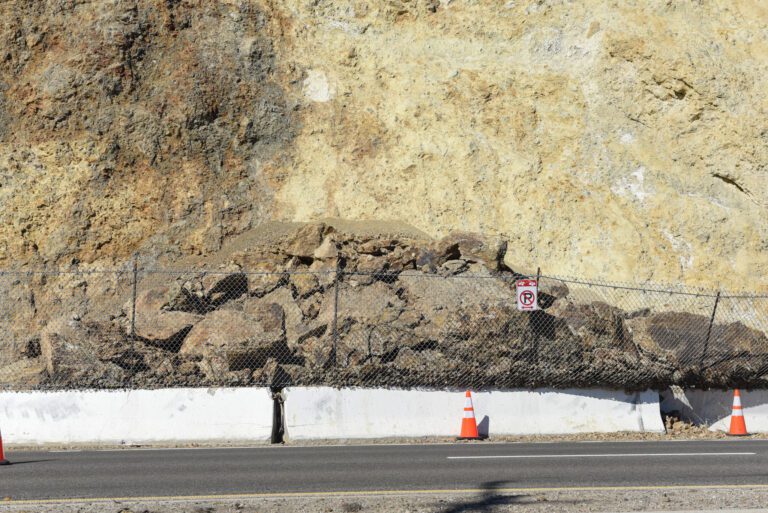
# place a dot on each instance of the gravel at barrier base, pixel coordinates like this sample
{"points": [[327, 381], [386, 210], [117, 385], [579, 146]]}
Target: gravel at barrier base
{"points": [[575, 501]]}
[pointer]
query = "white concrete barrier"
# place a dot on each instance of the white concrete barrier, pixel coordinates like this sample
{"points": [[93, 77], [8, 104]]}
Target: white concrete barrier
{"points": [[139, 416], [372, 413], [713, 407]]}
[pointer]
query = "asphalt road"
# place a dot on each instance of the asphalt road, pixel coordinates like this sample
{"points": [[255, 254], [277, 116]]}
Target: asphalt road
{"points": [[197, 472]]}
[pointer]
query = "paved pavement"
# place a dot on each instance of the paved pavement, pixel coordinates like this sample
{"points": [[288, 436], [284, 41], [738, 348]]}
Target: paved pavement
{"points": [[392, 468]]}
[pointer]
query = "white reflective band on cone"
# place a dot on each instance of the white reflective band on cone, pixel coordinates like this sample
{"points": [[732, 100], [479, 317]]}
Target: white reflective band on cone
{"points": [[737, 401], [737, 413], [469, 414]]}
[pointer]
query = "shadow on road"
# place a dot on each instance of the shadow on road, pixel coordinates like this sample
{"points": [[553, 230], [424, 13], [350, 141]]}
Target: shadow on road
{"points": [[24, 462], [490, 498], [487, 499]]}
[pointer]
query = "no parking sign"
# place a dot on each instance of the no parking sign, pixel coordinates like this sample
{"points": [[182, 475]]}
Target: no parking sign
{"points": [[527, 295]]}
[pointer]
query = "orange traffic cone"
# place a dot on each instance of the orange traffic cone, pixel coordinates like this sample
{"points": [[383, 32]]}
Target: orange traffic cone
{"points": [[3, 461], [468, 424], [738, 426]]}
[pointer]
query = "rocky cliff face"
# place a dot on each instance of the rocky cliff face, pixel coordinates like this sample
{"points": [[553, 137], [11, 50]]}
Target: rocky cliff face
{"points": [[620, 140], [136, 124]]}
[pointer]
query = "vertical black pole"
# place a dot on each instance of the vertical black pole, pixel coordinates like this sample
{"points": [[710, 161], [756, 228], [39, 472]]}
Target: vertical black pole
{"points": [[709, 331], [533, 319], [335, 330], [278, 416], [133, 296]]}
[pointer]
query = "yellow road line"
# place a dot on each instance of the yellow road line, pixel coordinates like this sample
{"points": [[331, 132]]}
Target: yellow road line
{"points": [[245, 496]]}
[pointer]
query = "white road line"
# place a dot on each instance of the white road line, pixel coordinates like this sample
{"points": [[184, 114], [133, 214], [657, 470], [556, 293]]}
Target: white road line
{"points": [[627, 455]]}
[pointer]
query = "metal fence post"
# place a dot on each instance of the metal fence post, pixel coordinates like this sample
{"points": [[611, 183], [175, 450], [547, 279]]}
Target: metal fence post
{"points": [[709, 330], [533, 317], [133, 295]]}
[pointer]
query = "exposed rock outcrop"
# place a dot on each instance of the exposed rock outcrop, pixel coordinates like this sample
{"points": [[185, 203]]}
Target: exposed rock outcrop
{"points": [[611, 141]]}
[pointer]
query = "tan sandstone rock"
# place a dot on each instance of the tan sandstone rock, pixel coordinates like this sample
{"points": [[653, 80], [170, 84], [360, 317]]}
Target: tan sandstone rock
{"points": [[235, 337], [620, 141]]}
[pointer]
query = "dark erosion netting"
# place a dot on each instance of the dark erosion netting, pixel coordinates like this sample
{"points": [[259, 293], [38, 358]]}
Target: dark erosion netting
{"points": [[140, 328]]}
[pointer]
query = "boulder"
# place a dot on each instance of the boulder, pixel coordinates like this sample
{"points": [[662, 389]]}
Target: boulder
{"points": [[310, 306], [327, 249], [297, 327], [429, 293], [62, 346], [365, 270], [374, 246], [72, 353], [23, 373], [410, 318], [305, 241], [678, 334], [738, 338], [431, 256], [326, 272], [305, 284], [369, 341], [316, 351], [735, 353], [188, 296], [408, 359], [154, 299], [377, 303], [271, 316], [220, 287], [237, 337], [452, 267], [365, 319], [352, 351], [495, 323], [273, 373], [421, 364], [552, 287], [598, 324], [262, 283], [159, 327], [400, 259], [165, 329], [474, 248]]}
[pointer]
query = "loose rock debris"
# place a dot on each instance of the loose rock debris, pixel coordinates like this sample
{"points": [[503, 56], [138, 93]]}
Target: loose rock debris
{"points": [[324, 307], [572, 501]]}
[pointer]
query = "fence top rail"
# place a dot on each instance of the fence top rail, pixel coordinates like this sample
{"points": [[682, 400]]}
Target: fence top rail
{"points": [[677, 291], [68, 272], [648, 287]]}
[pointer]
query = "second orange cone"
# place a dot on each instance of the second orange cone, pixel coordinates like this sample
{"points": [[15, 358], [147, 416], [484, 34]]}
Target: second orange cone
{"points": [[738, 426], [3, 461], [468, 423]]}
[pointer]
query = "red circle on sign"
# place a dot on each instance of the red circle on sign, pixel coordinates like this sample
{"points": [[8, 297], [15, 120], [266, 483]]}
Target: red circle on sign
{"points": [[527, 297]]}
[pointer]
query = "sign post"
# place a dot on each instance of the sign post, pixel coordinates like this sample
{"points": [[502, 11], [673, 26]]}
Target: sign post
{"points": [[527, 295]]}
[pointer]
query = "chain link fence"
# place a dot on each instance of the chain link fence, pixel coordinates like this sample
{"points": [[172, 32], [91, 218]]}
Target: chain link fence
{"points": [[147, 328]]}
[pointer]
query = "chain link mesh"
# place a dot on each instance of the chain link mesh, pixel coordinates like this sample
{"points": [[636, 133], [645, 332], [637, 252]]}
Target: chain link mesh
{"points": [[144, 328]]}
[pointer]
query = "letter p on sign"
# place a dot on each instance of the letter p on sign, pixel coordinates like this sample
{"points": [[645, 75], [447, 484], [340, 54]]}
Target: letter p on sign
{"points": [[527, 295]]}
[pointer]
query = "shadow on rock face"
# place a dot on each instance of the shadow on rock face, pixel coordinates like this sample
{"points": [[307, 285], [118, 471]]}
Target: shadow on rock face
{"points": [[174, 106]]}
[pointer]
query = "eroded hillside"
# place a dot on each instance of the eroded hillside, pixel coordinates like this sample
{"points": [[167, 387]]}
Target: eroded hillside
{"points": [[623, 140]]}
